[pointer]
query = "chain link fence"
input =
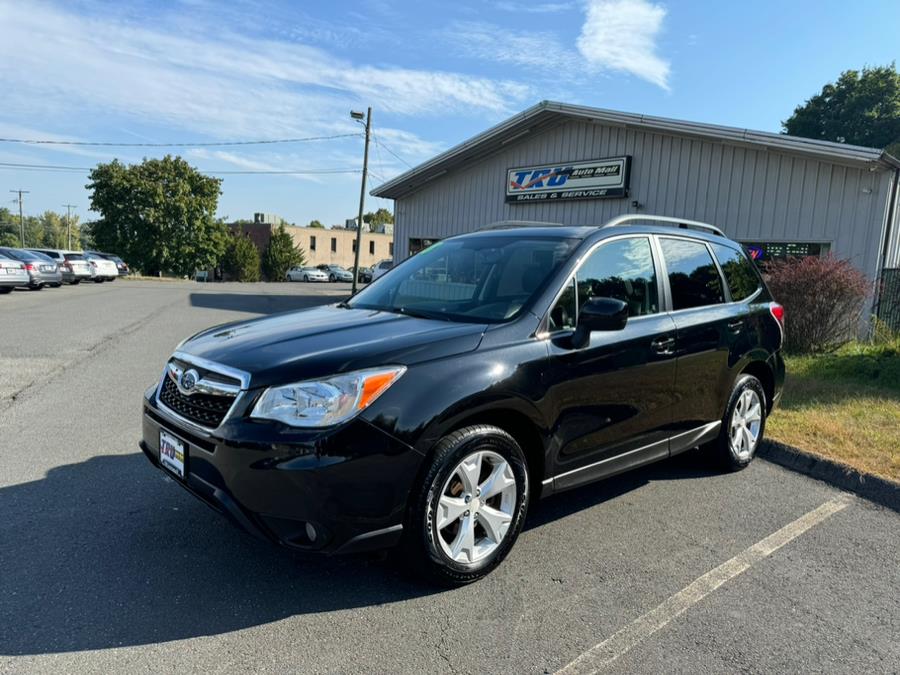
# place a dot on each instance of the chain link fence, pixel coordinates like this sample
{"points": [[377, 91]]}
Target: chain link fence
{"points": [[888, 310]]}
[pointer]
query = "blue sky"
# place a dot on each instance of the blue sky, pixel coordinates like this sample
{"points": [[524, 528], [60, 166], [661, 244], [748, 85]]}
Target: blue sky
{"points": [[435, 73]]}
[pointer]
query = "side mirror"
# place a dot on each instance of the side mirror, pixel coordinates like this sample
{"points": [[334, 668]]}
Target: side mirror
{"points": [[606, 314]]}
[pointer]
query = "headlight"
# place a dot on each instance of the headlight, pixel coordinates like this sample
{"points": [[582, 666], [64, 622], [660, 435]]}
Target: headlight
{"points": [[325, 402]]}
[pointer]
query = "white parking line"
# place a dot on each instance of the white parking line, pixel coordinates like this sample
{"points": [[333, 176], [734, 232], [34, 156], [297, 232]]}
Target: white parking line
{"points": [[604, 653]]}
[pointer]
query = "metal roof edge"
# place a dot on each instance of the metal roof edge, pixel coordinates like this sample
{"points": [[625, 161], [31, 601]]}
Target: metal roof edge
{"points": [[401, 185]]}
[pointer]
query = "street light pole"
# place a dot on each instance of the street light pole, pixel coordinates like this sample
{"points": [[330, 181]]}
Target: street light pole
{"points": [[362, 193], [21, 217], [69, 208]]}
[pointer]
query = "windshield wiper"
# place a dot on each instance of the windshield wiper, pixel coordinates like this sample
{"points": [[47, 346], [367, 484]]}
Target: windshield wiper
{"points": [[418, 313]]}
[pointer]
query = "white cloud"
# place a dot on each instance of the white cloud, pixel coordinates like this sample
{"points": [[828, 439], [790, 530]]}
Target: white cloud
{"points": [[620, 35], [534, 8], [533, 50], [201, 78]]}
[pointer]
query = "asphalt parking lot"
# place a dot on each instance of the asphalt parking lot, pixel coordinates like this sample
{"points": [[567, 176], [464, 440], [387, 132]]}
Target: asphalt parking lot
{"points": [[107, 566]]}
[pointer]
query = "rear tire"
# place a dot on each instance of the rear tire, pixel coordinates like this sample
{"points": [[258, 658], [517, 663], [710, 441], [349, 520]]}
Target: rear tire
{"points": [[98, 281], [470, 506], [36, 287], [306, 278], [5, 289], [742, 426]]}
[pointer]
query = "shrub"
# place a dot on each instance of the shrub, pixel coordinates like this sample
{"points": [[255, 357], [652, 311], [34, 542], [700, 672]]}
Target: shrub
{"points": [[823, 301], [241, 261], [281, 255]]}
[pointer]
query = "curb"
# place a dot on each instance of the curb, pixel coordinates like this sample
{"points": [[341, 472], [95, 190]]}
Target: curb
{"points": [[874, 488]]}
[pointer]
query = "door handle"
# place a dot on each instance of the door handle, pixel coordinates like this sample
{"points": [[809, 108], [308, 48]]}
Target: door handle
{"points": [[736, 326], [663, 345]]}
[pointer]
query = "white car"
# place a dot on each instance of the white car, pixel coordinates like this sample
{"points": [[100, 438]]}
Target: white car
{"points": [[104, 269], [306, 274], [12, 274], [381, 268]]}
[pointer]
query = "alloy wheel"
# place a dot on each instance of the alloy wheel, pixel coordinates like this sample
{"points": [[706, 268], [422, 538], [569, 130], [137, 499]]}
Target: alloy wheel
{"points": [[475, 509], [746, 421]]}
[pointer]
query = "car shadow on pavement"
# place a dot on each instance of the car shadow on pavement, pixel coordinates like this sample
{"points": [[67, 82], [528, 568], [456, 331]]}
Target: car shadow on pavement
{"points": [[260, 303], [110, 553], [687, 465]]}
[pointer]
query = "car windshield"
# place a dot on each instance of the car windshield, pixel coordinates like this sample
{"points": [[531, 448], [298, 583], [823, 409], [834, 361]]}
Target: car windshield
{"points": [[22, 255], [484, 279]]}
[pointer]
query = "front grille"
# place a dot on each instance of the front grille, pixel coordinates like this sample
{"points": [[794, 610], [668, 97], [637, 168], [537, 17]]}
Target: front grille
{"points": [[203, 409]]}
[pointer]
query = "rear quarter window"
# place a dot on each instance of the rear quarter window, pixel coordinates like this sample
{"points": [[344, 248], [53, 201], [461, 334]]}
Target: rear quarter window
{"points": [[740, 274], [693, 278]]}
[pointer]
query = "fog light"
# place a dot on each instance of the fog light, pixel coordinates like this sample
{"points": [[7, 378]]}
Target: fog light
{"points": [[311, 532]]}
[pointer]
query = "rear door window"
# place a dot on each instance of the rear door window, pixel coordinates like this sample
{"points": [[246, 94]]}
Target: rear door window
{"points": [[740, 275], [693, 277]]}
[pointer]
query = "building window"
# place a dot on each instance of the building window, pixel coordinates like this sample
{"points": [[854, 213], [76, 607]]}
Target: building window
{"points": [[391, 249], [312, 243], [372, 247], [417, 245], [775, 250], [353, 245], [334, 244]]}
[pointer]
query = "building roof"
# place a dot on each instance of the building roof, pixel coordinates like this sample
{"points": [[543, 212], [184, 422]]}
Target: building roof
{"points": [[548, 114]]}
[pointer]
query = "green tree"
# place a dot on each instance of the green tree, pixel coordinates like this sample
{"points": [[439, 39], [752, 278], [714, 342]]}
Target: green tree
{"points": [[316, 223], [281, 255], [861, 108], [379, 217], [158, 215], [9, 228], [241, 259]]}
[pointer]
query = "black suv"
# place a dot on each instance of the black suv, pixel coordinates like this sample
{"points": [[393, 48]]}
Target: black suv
{"points": [[430, 409]]}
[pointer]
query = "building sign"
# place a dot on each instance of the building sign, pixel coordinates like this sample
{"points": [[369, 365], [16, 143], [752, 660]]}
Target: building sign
{"points": [[594, 179], [762, 252]]}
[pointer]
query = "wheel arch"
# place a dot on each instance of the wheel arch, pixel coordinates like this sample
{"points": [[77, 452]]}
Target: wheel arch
{"points": [[762, 372], [525, 432]]}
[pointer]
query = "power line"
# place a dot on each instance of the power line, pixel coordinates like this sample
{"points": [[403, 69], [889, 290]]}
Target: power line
{"points": [[199, 144], [82, 169], [381, 143]]}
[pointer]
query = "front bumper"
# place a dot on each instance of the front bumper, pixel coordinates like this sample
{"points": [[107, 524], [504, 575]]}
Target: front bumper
{"points": [[350, 483]]}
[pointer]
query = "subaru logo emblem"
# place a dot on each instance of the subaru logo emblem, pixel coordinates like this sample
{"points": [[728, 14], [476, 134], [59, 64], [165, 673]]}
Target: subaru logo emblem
{"points": [[189, 380]]}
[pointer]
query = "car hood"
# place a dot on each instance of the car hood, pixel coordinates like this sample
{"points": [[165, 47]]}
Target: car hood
{"points": [[323, 341]]}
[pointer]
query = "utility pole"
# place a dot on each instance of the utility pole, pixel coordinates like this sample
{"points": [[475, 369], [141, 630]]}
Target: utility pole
{"points": [[21, 217], [69, 208], [362, 192]]}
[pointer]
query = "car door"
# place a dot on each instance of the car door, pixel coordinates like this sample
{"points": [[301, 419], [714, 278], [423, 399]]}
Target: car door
{"points": [[611, 401], [710, 337]]}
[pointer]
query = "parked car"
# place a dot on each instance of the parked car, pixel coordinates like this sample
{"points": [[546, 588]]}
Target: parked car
{"points": [[381, 268], [336, 273], [365, 275], [81, 267], [432, 414], [73, 271], [104, 269], [120, 264], [41, 270], [306, 274], [12, 274]]}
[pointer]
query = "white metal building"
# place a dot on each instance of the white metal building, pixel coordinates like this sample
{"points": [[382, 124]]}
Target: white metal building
{"points": [[780, 195]]}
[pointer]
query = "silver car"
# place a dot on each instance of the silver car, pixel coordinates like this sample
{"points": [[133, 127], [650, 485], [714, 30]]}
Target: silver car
{"points": [[306, 274], [42, 271], [12, 274], [72, 265]]}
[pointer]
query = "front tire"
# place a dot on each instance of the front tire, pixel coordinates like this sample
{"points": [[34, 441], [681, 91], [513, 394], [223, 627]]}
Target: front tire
{"points": [[743, 425], [470, 507], [306, 278], [331, 278]]}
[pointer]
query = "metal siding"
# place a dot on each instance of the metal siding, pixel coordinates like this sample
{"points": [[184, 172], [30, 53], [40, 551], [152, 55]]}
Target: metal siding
{"points": [[754, 194]]}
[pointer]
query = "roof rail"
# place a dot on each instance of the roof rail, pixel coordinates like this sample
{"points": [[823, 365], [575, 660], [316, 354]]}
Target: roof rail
{"points": [[503, 224], [679, 222]]}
